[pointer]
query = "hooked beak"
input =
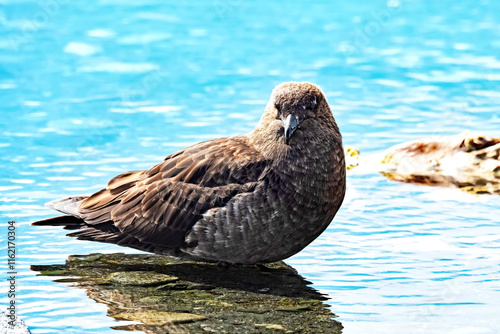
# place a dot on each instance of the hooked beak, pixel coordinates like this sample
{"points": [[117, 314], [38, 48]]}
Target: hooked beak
{"points": [[290, 124]]}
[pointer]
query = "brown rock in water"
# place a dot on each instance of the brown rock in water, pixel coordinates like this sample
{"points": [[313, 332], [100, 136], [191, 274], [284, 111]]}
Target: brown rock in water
{"points": [[253, 198], [204, 297], [467, 161]]}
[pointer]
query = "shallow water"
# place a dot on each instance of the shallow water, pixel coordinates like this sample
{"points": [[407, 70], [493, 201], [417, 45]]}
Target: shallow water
{"points": [[89, 91]]}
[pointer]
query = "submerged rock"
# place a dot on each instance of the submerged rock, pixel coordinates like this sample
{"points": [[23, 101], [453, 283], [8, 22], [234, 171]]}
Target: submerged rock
{"points": [[140, 278], [467, 161], [166, 295], [160, 318]]}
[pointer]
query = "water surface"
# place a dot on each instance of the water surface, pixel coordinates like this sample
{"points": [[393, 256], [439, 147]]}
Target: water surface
{"points": [[90, 90]]}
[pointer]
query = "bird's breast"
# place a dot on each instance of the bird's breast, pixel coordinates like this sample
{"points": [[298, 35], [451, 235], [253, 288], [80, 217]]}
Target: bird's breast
{"points": [[294, 201]]}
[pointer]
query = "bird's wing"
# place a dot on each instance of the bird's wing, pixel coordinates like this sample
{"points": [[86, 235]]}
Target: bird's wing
{"points": [[160, 205]]}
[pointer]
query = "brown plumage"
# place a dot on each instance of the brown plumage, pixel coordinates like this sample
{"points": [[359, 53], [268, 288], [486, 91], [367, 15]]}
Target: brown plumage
{"points": [[252, 198]]}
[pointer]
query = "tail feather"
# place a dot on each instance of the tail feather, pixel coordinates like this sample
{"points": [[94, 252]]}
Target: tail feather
{"points": [[120, 239], [67, 205], [104, 231], [68, 222]]}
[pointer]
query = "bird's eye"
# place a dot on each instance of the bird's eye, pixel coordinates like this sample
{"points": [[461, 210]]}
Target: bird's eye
{"points": [[308, 107], [309, 104]]}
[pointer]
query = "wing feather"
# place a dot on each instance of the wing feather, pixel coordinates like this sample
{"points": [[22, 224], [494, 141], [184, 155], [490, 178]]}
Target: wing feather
{"points": [[159, 206]]}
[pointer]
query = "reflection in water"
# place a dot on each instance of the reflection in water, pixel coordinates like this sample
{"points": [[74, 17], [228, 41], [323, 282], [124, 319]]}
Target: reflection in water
{"points": [[166, 294]]}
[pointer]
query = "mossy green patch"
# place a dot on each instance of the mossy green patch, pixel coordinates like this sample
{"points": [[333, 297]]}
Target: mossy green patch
{"points": [[140, 278]]}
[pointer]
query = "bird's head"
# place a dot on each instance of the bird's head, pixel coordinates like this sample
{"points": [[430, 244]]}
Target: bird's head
{"points": [[295, 102], [296, 111]]}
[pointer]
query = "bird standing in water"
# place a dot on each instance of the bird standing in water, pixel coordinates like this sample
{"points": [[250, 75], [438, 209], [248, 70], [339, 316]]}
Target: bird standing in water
{"points": [[249, 199]]}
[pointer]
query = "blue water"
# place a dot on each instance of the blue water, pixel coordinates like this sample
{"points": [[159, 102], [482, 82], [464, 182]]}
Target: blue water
{"points": [[90, 90]]}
